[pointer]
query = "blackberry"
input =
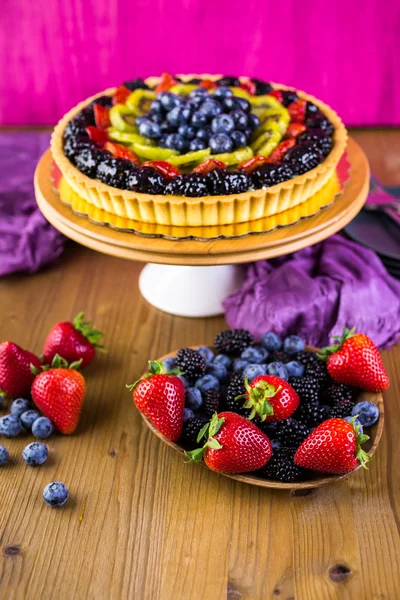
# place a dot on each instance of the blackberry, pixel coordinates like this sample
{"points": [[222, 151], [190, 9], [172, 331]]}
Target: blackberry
{"points": [[282, 467], [222, 182], [306, 358], [74, 144], [311, 109], [289, 96], [262, 87], [75, 127], [270, 428], [229, 81], [271, 174], [87, 115], [113, 171], [303, 158], [191, 363], [103, 101], [193, 186], [319, 371], [191, 430], [291, 433], [312, 414], [279, 356], [132, 177], [87, 160], [233, 341], [318, 120], [211, 402], [136, 84], [341, 409], [318, 138], [338, 392], [307, 388], [150, 182], [236, 388]]}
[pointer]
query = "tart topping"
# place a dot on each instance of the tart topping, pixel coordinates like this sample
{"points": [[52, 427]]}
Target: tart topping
{"points": [[166, 82], [121, 94], [297, 111], [209, 165], [99, 136], [163, 167], [120, 151], [101, 116]]}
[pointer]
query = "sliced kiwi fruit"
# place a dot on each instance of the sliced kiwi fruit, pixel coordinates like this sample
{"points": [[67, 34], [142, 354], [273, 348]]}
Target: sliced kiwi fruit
{"points": [[122, 118], [235, 157], [263, 102], [183, 89], [281, 117], [129, 137], [153, 152], [140, 101], [190, 157], [260, 145]]}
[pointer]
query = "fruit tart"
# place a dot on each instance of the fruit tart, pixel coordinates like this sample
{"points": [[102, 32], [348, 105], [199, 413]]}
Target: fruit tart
{"points": [[198, 150]]}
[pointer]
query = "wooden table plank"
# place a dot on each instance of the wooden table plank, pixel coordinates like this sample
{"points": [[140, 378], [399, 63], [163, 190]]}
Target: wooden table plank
{"points": [[142, 524]]}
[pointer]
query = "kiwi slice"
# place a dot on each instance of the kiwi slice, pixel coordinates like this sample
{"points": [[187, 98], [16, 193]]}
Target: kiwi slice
{"points": [[270, 144], [128, 137], [190, 157], [269, 125], [122, 119], [262, 140], [153, 152], [183, 89], [235, 157], [282, 118], [140, 101], [262, 102]]}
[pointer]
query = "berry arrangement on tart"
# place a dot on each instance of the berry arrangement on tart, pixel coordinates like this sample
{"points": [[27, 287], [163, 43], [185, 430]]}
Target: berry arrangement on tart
{"points": [[205, 150]]}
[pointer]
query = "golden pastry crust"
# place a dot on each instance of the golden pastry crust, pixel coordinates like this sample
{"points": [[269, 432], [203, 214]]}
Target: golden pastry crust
{"points": [[207, 210]]}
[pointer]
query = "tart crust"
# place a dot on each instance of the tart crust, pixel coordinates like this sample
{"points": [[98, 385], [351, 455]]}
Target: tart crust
{"points": [[207, 210]]}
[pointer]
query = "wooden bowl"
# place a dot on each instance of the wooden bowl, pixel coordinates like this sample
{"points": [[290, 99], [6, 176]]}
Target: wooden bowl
{"points": [[316, 479]]}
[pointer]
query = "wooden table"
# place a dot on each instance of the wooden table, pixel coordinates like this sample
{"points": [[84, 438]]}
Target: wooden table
{"points": [[141, 524]]}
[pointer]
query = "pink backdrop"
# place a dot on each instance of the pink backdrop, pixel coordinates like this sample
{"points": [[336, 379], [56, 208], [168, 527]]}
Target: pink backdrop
{"points": [[54, 53]]}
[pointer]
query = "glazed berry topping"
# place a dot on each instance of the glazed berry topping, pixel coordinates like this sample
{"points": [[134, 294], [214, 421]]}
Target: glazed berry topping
{"points": [[303, 158], [192, 185], [271, 174], [262, 87], [136, 84]]}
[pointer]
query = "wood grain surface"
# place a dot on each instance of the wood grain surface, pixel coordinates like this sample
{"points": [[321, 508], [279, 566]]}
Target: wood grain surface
{"points": [[140, 524]]}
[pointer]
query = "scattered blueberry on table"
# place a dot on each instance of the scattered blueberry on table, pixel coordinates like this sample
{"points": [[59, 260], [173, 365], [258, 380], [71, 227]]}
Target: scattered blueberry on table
{"points": [[367, 412], [55, 494], [28, 418], [35, 454], [3, 456], [42, 428], [19, 406], [10, 426]]}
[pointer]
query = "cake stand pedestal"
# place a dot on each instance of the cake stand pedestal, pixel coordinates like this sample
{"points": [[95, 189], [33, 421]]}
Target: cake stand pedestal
{"points": [[201, 273]]}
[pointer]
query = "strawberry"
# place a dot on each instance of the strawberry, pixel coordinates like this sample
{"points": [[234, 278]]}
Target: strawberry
{"points": [[120, 151], [281, 150], [101, 116], [234, 445], [294, 130], [121, 94], [210, 165], [270, 398], [207, 84], [164, 168], [252, 164], [249, 87], [98, 136], [73, 341], [160, 396], [333, 447], [277, 94], [15, 372], [166, 82], [297, 111], [356, 361], [58, 391]]}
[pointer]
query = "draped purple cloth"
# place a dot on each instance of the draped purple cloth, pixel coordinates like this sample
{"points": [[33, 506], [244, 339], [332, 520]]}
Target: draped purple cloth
{"points": [[27, 241], [318, 291]]}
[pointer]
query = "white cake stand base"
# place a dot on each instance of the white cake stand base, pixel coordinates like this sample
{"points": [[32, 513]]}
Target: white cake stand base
{"points": [[189, 291]]}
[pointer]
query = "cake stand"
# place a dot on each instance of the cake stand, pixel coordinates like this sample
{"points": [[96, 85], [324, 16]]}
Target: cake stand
{"points": [[190, 277]]}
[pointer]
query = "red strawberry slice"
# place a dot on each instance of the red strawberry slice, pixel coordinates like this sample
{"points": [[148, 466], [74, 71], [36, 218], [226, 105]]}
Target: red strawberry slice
{"points": [[234, 445], [166, 82], [281, 150], [98, 136], [252, 164], [163, 167], [160, 396], [333, 447], [270, 398], [249, 87], [277, 94], [15, 370], [294, 130], [355, 360], [210, 165], [120, 151], [101, 116], [297, 111], [121, 95], [208, 84]]}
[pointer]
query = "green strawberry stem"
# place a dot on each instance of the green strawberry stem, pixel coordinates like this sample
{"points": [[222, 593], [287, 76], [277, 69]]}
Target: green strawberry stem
{"points": [[156, 368], [58, 362], [4, 396], [257, 399], [328, 350], [209, 430], [362, 456], [93, 336]]}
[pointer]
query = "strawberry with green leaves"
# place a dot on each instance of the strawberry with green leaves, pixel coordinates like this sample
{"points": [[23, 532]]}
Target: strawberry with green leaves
{"points": [[355, 360], [160, 396], [270, 398], [15, 370], [333, 447], [233, 445]]}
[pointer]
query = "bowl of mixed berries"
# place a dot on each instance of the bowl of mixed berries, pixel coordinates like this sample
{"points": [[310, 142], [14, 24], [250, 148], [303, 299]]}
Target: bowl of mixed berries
{"points": [[274, 413]]}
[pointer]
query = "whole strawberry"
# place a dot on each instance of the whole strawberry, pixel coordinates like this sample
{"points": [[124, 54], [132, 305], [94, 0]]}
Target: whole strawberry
{"points": [[58, 391], [15, 372], [270, 398], [73, 341], [333, 447], [355, 360], [160, 396], [234, 445]]}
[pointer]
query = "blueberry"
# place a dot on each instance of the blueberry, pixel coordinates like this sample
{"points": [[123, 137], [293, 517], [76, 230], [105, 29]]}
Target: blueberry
{"points": [[140, 120], [179, 116], [252, 355], [28, 418], [207, 382], [181, 144], [222, 92], [199, 119], [166, 127], [368, 413], [222, 124], [55, 494], [42, 428], [156, 118], [3, 456], [271, 341], [185, 382], [169, 141], [211, 108], [169, 363], [206, 353], [150, 129], [254, 121], [238, 139], [264, 353], [218, 371], [236, 103], [293, 344], [252, 371], [169, 101], [198, 92], [203, 134], [220, 142], [156, 107], [193, 398], [239, 364], [195, 102], [10, 426], [187, 131], [240, 119], [224, 360], [19, 406], [278, 369], [35, 454], [197, 145], [295, 368], [356, 422], [187, 414]]}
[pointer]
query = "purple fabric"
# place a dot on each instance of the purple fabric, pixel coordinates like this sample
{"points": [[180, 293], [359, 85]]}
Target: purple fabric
{"points": [[318, 291], [27, 241]]}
